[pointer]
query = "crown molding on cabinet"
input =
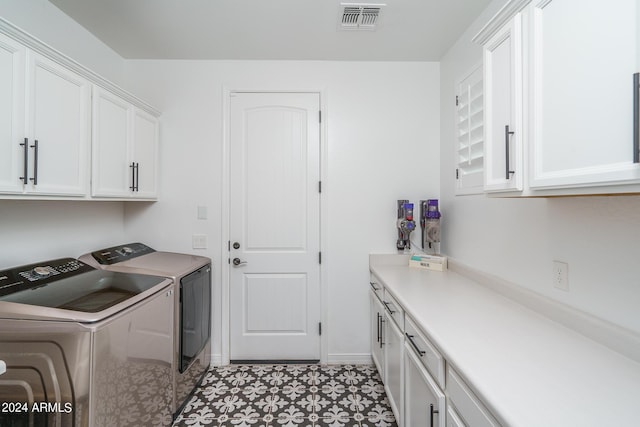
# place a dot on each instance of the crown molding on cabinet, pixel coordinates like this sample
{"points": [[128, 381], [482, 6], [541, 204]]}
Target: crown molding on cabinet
{"points": [[44, 49], [503, 16]]}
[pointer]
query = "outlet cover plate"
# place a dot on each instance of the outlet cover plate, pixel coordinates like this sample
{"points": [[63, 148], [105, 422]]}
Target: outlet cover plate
{"points": [[560, 276]]}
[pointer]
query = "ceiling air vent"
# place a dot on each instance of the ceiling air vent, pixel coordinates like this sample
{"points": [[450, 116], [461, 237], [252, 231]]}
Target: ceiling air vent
{"points": [[359, 16]]}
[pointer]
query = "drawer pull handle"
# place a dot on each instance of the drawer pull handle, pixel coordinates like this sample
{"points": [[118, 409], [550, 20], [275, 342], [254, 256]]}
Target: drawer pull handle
{"points": [[507, 134], [386, 304], [415, 346], [432, 411], [636, 118], [373, 285], [25, 147]]}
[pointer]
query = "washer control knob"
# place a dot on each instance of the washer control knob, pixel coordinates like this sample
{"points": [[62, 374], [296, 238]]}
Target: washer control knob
{"points": [[41, 271]]}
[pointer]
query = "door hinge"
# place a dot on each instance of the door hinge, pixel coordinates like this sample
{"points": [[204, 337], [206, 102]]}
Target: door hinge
{"points": [[319, 328], [319, 186], [457, 100], [457, 173], [319, 116], [319, 257]]}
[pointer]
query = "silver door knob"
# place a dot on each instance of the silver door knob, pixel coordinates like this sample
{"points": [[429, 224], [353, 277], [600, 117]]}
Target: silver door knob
{"points": [[236, 262]]}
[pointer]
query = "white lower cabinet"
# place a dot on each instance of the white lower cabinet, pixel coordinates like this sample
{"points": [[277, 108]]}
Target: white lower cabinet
{"points": [[421, 392], [424, 401], [377, 326], [393, 358]]}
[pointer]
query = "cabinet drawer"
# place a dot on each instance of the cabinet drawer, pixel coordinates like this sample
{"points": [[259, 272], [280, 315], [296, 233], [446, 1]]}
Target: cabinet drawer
{"points": [[426, 352], [467, 405], [394, 309], [376, 286]]}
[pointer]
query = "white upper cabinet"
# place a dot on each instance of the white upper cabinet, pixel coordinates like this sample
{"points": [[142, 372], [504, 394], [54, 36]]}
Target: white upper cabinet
{"points": [[145, 153], [58, 124], [11, 115], [111, 136], [503, 131], [584, 56], [560, 74], [58, 143], [124, 149]]}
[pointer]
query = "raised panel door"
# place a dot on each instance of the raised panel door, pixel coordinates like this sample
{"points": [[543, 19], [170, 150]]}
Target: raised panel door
{"points": [[274, 226], [393, 374], [145, 154], [584, 57], [503, 134], [58, 128], [424, 401], [12, 155], [111, 172], [377, 332]]}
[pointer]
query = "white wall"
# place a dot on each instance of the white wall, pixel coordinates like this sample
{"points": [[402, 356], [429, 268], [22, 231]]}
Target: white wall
{"points": [[383, 144], [517, 239], [33, 231], [49, 24]]}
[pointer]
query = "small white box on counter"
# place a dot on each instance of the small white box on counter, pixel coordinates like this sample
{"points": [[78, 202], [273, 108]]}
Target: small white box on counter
{"points": [[428, 262]]}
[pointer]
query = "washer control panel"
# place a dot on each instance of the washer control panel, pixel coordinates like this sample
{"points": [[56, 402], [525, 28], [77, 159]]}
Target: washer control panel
{"points": [[121, 253], [27, 276]]}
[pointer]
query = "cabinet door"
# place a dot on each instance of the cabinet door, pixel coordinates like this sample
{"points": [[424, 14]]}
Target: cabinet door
{"points": [[424, 402], [377, 332], [58, 119], [12, 155], [145, 153], [503, 108], [393, 379], [584, 58], [111, 172]]}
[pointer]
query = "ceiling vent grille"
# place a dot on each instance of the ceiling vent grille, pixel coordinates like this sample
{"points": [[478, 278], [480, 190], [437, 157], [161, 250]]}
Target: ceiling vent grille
{"points": [[359, 16]]}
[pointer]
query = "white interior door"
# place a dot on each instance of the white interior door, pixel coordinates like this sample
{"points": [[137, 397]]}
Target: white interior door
{"points": [[274, 226]]}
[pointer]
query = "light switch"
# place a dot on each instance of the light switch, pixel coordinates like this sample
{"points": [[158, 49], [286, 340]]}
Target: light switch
{"points": [[199, 241], [202, 212]]}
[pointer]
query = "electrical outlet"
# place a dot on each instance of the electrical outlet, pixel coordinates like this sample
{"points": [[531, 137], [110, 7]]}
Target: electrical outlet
{"points": [[199, 241], [561, 275]]}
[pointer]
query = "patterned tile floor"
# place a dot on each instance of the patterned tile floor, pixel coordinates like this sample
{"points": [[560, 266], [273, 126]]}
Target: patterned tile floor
{"points": [[289, 396]]}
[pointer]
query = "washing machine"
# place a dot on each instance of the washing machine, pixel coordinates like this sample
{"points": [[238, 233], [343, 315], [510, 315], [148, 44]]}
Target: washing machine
{"points": [[85, 347], [192, 306]]}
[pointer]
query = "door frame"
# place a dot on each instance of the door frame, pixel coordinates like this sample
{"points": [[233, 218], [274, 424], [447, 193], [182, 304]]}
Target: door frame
{"points": [[225, 303]]}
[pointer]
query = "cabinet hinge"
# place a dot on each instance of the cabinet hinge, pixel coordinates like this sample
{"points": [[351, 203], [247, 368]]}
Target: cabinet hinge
{"points": [[229, 245], [457, 100], [319, 186], [319, 328], [319, 257]]}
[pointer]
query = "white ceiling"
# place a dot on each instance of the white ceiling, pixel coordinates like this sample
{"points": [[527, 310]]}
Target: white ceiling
{"points": [[409, 30]]}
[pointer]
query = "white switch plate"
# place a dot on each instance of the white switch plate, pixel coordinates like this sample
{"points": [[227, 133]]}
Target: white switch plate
{"points": [[199, 241], [561, 275], [202, 212]]}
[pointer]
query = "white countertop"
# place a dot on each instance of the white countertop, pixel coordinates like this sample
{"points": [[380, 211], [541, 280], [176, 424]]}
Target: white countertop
{"points": [[527, 369]]}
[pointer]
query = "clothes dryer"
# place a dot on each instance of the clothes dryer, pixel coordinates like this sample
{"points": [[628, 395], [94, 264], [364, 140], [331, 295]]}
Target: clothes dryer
{"points": [[192, 306]]}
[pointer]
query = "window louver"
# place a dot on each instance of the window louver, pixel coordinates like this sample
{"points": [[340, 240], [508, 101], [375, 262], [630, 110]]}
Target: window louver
{"points": [[470, 133]]}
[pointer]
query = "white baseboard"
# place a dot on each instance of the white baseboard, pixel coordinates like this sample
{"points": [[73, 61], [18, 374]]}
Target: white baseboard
{"points": [[216, 359], [349, 359]]}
